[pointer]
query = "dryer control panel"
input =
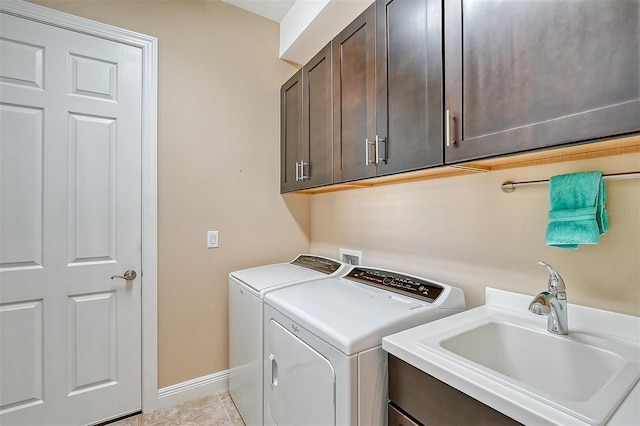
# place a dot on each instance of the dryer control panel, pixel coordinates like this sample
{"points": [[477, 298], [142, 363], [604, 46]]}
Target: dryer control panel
{"points": [[317, 263], [399, 283]]}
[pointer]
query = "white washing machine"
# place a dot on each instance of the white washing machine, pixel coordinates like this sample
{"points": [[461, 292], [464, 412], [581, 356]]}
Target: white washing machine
{"points": [[247, 289], [324, 364]]}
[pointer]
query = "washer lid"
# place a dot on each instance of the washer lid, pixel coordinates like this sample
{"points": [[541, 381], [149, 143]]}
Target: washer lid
{"points": [[354, 317], [303, 268]]}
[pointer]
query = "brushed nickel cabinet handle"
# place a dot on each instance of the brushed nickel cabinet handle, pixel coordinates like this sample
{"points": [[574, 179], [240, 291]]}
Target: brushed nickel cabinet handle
{"points": [[447, 128], [366, 151], [302, 175], [382, 157], [367, 146]]}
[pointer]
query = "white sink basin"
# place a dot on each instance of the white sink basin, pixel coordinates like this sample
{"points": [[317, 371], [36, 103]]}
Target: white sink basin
{"points": [[565, 368], [584, 374]]}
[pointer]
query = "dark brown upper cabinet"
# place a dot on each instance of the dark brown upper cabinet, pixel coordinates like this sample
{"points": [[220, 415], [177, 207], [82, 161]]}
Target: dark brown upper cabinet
{"points": [[525, 75], [354, 91], [306, 127], [317, 116], [388, 90], [291, 133], [518, 76], [409, 101]]}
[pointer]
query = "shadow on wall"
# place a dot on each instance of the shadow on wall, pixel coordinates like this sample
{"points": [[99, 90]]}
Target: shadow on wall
{"points": [[299, 206]]}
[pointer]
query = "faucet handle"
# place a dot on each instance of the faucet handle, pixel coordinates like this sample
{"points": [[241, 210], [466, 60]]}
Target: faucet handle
{"points": [[556, 283]]}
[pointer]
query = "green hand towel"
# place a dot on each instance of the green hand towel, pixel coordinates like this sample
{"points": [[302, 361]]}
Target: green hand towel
{"points": [[577, 214]]}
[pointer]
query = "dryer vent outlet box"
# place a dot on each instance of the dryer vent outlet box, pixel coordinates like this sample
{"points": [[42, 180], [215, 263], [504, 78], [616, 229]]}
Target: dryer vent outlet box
{"points": [[351, 257]]}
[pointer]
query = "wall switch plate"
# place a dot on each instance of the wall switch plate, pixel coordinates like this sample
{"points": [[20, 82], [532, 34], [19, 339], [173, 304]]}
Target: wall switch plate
{"points": [[212, 239], [351, 257]]}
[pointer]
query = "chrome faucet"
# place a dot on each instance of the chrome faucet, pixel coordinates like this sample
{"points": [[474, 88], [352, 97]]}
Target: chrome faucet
{"points": [[552, 303]]}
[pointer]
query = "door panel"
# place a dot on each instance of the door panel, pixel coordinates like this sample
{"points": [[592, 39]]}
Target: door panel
{"points": [[22, 63], [21, 323], [292, 366], [93, 77], [92, 201], [92, 354], [70, 217], [21, 186]]}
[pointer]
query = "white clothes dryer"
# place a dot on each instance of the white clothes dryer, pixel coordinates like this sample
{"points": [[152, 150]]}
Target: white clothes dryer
{"points": [[324, 362], [247, 289]]}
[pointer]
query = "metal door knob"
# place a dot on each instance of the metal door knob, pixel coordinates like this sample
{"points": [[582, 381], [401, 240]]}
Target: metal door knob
{"points": [[129, 275]]}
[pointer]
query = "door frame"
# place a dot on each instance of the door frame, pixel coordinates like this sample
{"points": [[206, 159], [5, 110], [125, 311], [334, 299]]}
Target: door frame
{"points": [[149, 273]]}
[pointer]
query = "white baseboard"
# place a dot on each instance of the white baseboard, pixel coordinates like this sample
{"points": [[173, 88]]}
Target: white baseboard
{"points": [[193, 389]]}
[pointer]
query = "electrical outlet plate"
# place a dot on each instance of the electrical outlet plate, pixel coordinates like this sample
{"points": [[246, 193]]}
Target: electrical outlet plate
{"points": [[351, 257]]}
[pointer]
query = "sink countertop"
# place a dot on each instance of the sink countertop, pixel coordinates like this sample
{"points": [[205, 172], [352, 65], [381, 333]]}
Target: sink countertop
{"points": [[509, 401]]}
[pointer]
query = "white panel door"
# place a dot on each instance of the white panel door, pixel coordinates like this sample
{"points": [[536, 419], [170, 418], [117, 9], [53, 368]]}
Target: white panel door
{"points": [[70, 218]]}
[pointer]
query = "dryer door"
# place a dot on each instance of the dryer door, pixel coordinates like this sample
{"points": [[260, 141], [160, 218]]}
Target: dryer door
{"points": [[302, 388]]}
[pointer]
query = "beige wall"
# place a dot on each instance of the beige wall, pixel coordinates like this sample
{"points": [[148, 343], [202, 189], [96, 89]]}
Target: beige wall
{"points": [[218, 156], [465, 231]]}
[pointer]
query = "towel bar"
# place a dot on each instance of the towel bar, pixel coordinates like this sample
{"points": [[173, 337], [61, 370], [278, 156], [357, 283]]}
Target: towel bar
{"points": [[509, 186]]}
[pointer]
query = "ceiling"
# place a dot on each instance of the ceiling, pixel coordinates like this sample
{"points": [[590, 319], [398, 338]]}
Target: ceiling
{"points": [[305, 26], [270, 9]]}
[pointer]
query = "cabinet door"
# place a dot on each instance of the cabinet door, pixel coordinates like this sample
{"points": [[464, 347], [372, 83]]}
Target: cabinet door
{"points": [[354, 98], [317, 121], [523, 75], [291, 133], [432, 402], [409, 84]]}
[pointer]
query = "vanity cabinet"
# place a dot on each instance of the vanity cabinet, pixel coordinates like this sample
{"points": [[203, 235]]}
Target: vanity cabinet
{"points": [[524, 75], [306, 126], [417, 398]]}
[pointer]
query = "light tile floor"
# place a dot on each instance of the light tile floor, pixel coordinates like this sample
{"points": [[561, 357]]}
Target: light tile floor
{"points": [[213, 410]]}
